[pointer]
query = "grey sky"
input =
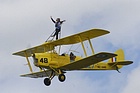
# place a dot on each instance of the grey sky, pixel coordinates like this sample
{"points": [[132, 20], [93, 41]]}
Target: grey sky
{"points": [[26, 23]]}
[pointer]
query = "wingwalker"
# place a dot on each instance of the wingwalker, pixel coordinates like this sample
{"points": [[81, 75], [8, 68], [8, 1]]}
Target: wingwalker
{"points": [[52, 64]]}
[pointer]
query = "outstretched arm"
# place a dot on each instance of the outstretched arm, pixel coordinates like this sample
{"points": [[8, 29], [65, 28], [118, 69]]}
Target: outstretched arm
{"points": [[52, 19], [63, 21]]}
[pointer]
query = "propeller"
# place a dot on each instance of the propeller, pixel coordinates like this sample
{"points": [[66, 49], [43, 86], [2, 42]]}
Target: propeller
{"points": [[34, 59]]}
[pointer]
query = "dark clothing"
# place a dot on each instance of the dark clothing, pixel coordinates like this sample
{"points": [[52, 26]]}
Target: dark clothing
{"points": [[57, 27], [56, 33]]}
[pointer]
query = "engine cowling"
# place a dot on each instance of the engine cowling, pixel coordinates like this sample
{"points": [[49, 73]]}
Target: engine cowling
{"points": [[35, 60]]}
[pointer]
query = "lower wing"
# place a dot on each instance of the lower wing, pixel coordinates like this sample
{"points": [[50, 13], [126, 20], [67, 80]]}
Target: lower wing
{"points": [[85, 62], [38, 74]]}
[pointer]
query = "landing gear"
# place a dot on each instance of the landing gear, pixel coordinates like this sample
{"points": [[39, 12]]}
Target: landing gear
{"points": [[61, 77], [47, 81]]}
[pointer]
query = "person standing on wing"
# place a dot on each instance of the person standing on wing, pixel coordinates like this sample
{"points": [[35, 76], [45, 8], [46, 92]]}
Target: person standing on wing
{"points": [[58, 24]]}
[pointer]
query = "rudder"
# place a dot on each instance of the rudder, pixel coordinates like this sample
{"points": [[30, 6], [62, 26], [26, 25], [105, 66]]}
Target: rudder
{"points": [[121, 56]]}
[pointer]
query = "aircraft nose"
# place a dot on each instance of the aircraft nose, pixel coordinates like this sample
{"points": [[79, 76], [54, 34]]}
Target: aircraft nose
{"points": [[35, 60]]}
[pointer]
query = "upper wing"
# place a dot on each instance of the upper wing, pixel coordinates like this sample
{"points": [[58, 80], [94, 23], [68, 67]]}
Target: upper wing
{"points": [[85, 62], [73, 39], [38, 74], [37, 49]]}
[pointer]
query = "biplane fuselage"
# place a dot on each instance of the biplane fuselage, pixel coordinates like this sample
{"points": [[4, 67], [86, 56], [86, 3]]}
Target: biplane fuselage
{"points": [[52, 60], [53, 64]]}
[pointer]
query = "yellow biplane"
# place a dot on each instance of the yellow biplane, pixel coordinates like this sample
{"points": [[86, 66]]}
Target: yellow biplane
{"points": [[52, 64]]}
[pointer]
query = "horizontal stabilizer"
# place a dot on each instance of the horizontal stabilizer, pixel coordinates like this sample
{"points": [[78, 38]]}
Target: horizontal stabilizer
{"points": [[121, 63]]}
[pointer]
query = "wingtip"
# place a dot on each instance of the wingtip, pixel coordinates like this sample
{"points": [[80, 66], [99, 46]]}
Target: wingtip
{"points": [[130, 62]]}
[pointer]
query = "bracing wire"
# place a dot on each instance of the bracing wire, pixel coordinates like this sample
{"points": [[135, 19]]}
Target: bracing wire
{"points": [[50, 36], [69, 49], [77, 47]]}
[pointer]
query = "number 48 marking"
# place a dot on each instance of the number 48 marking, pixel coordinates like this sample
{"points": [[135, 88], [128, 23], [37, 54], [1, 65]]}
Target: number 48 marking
{"points": [[44, 60]]}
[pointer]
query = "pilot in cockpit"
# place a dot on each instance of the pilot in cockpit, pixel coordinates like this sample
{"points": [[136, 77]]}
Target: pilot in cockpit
{"points": [[72, 57]]}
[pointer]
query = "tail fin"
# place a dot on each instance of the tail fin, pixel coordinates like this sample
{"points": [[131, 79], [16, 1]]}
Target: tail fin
{"points": [[119, 61], [120, 56], [115, 60]]}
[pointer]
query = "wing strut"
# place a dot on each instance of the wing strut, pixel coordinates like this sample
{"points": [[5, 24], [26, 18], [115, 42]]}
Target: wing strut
{"points": [[91, 46], [28, 62], [83, 46]]}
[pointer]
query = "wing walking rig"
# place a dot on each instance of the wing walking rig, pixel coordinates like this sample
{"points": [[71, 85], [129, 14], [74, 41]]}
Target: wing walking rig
{"points": [[52, 64]]}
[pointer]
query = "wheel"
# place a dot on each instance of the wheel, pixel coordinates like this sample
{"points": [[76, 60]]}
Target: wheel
{"points": [[47, 81], [62, 77]]}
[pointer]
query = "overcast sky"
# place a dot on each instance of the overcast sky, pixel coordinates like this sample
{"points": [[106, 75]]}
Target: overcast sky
{"points": [[26, 23]]}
